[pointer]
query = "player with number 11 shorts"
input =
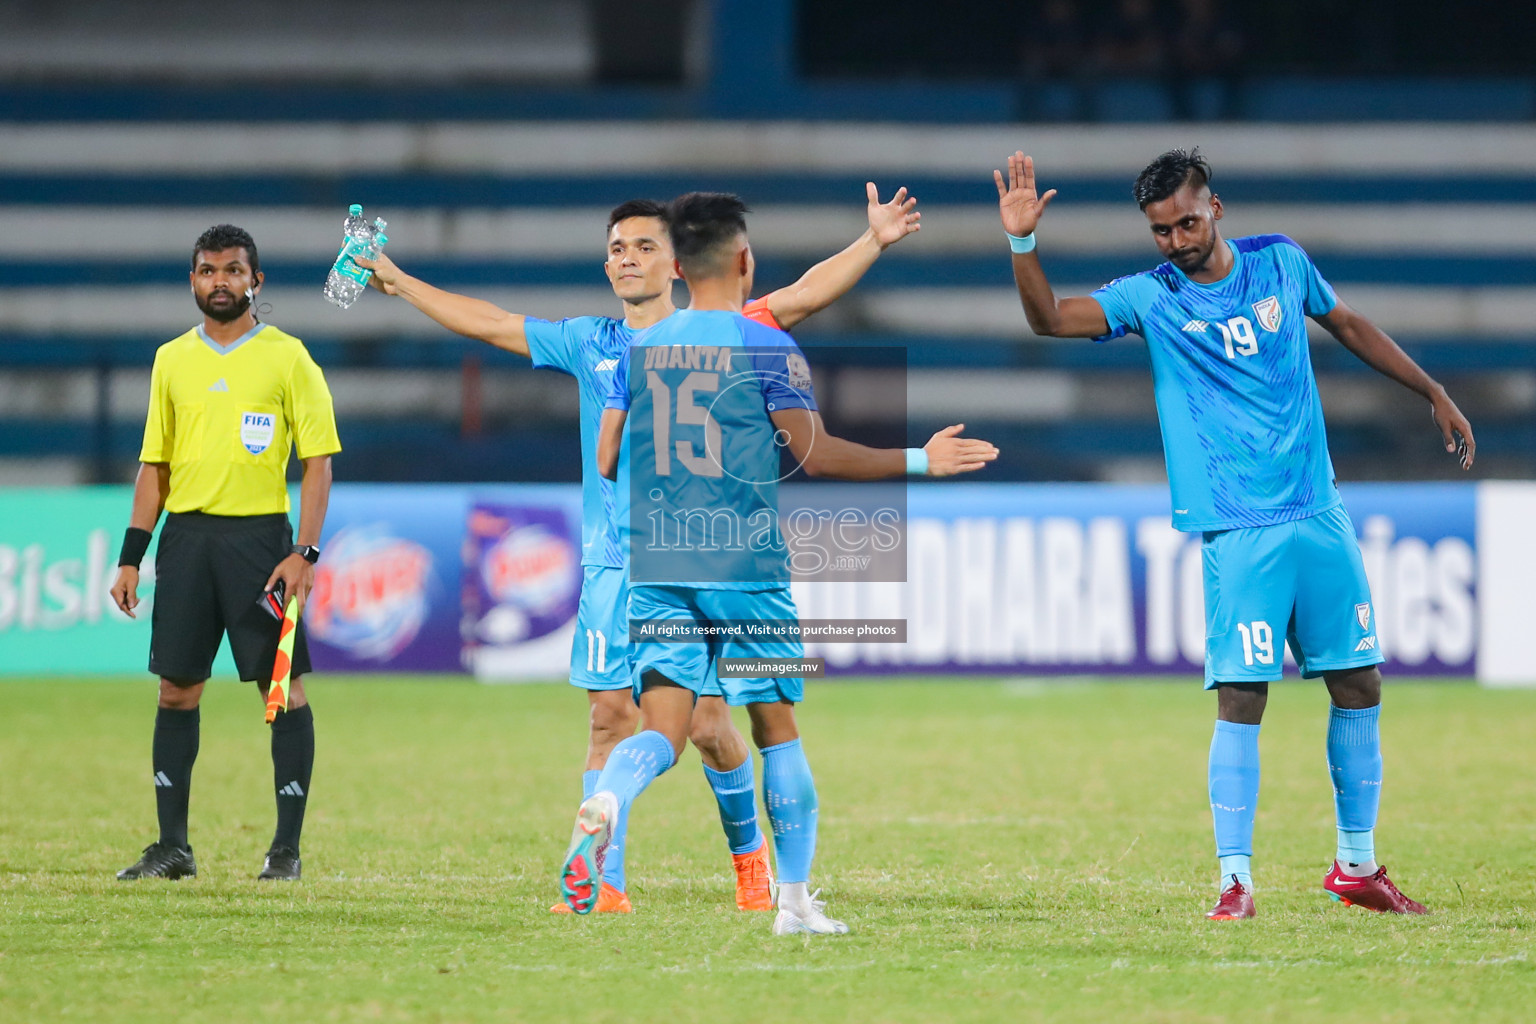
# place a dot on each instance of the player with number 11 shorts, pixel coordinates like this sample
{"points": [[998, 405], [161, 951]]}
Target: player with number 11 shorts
{"points": [[641, 269]]}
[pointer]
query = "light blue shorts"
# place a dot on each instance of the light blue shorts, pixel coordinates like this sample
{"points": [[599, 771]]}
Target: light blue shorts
{"points": [[600, 649], [1301, 582], [693, 664]]}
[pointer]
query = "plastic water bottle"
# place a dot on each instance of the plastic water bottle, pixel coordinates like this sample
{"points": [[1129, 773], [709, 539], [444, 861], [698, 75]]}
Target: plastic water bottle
{"points": [[347, 280]]}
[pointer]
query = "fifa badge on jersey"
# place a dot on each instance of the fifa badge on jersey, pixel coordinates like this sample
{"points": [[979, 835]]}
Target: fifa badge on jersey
{"points": [[1268, 312], [799, 371], [256, 429], [1363, 615]]}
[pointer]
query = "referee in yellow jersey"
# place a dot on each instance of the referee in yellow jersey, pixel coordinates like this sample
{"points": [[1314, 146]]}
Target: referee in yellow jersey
{"points": [[228, 401]]}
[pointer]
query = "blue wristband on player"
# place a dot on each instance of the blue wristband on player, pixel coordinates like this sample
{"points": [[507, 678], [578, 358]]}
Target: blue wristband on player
{"points": [[1021, 243], [917, 462]]}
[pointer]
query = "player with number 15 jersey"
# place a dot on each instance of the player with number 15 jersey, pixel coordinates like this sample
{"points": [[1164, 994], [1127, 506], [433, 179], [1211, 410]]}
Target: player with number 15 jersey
{"points": [[640, 268], [714, 396]]}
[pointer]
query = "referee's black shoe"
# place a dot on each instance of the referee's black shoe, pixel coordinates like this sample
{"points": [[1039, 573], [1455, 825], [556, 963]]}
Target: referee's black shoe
{"points": [[161, 861], [282, 863]]}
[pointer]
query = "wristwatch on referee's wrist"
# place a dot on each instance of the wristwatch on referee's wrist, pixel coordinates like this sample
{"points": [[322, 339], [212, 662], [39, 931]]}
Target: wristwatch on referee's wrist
{"points": [[308, 552]]}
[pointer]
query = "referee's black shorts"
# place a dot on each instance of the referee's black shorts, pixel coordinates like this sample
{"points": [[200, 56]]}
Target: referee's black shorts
{"points": [[209, 573]]}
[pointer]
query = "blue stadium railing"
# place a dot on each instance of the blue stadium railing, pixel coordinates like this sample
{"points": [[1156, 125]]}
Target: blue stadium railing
{"points": [[1277, 98], [603, 190], [899, 270], [394, 450]]}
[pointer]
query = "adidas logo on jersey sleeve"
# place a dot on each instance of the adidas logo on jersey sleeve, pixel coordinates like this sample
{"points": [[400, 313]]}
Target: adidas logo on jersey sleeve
{"points": [[1196, 327]]}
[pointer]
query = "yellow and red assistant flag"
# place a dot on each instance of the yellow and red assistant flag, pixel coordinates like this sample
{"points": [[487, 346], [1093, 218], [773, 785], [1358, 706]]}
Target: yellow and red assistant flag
{"points": [[282, 665]]}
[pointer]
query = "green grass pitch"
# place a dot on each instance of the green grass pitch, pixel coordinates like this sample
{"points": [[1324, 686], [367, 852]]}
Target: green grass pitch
{"points": [[1003, 852]]}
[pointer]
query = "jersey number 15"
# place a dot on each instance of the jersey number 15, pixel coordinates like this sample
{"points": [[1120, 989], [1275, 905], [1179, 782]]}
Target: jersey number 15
{"points": [[688, 414]]}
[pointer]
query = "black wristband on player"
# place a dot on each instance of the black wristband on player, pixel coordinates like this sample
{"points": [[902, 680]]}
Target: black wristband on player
{"points": [[135, 543]]}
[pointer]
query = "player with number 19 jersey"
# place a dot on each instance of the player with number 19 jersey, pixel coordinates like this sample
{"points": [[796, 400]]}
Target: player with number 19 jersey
{"points": [[1247, 452], [1248, 468], [1241, 420]]}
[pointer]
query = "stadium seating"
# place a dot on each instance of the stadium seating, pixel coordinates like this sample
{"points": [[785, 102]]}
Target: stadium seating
{"points": [[494, 183], [97, 220]]}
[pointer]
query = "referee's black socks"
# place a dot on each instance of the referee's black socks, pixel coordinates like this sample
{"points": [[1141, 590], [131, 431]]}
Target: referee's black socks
{"points": [[175, 750], [293, 758]]}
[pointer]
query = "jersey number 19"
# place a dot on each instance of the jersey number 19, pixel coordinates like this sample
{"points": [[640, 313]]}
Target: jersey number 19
{"points": [[1239, 337]]}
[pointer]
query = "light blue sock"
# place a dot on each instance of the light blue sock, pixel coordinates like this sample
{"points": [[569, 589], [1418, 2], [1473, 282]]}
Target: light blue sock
{"points": [[1356, 848], [634, 764], [1239, 866], [1354, 763], [735, 792], [790, 793], [589, 782], [1234, 786]]}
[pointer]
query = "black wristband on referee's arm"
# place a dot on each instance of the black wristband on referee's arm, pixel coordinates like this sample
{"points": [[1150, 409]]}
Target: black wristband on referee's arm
{"points": [[135, 543]]}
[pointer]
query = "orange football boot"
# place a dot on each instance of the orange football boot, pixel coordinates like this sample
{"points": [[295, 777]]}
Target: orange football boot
{"points": [[755, 884], [609, 901]]}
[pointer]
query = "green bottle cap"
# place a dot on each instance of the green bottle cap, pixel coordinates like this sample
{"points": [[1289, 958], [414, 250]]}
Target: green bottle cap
{"points": [[355, 210]]}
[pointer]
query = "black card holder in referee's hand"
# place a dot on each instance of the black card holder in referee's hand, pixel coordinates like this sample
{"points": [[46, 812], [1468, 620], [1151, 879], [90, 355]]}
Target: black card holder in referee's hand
{"points": [[272, 601]]}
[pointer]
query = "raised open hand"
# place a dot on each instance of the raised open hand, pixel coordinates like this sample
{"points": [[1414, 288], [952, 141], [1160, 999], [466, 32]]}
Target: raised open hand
{"points": [[1017, 202], [892, 221]]}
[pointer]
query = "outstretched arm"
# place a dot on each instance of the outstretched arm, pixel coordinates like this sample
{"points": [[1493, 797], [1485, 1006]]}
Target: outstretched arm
{"points": [[831, 279], [473, 318], [822, 454], [1378, 351], [1020, 208]]}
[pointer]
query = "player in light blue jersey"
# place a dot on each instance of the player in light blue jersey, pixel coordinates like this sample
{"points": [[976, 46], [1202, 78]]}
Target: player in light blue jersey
{"points": [[639, 266], [1248, 468], [715, 395]]}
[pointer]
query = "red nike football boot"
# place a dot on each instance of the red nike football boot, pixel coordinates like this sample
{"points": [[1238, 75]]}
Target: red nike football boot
{"points": [[1236, 903], [1373, 892]]}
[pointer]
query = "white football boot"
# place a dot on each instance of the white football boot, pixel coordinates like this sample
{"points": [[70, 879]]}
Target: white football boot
{"points": [[804, 915]]}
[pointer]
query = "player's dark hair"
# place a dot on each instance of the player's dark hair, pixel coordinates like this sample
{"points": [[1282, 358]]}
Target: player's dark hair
{"points": [[226, 236], [637, 208], [1168, 173], [702, 224]]}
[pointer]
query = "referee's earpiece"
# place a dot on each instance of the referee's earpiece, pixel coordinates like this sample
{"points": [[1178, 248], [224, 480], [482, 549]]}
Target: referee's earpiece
{"points": [[249, 294]]}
